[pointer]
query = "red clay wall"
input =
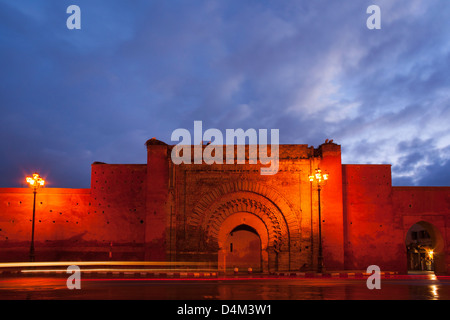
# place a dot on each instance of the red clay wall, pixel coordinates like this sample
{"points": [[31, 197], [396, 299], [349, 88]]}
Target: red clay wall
{"points": [[159, 207], [118, 211], [60, 223], [373, 232], [331, 208], [102, 223], [159, 211]]}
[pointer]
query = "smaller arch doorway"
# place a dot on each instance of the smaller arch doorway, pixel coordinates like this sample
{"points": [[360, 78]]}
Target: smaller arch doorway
{"points": [[242, 249], [425, 248], [243, 243]]}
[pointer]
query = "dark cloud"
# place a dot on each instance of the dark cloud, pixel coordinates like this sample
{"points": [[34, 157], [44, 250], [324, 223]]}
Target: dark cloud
{"points": [[141, 70], [436, 175]]}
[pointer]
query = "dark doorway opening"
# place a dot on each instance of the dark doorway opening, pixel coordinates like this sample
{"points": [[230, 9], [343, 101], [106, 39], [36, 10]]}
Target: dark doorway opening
{"points": [[243, 249], [424, 245]]}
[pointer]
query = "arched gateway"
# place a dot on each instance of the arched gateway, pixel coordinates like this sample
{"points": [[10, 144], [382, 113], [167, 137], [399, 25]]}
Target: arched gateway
{"points": [[257, 207], [425, 248]]}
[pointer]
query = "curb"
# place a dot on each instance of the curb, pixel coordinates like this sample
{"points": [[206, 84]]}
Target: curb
{"points": [[333, 275], [114, 274], [205, 275]]}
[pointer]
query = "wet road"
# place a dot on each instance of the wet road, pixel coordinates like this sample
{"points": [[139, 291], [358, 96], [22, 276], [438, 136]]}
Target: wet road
{"points": [[54, 288]]}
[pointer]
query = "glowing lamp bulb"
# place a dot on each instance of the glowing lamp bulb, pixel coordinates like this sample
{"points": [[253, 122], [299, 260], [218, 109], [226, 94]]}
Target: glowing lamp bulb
{"points": [[36, 181], [318, 176]]}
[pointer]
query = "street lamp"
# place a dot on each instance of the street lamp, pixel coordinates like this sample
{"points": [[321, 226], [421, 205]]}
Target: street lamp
{"points": [[35, 182], [321, 179]]}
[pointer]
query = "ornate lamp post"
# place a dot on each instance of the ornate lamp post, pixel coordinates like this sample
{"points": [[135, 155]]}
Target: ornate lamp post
{"points": [[35, 182], [321, 179]]}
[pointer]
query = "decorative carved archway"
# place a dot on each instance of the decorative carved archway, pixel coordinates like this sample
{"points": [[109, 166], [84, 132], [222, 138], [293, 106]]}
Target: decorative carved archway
{"points": [[233, 203], [281, 220]]}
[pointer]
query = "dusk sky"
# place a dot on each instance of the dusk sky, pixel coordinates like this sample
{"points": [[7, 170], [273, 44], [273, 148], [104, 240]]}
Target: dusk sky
{"points": [[141, 69]]}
